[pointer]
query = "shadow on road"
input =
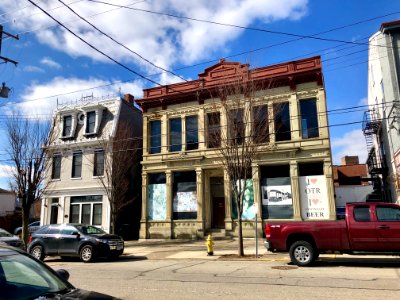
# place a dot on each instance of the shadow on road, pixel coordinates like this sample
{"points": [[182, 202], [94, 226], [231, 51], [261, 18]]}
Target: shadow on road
{"points": [[121, 259], [366, 262]]}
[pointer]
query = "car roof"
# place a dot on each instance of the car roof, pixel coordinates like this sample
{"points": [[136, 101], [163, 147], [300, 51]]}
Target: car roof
{"points": [[8, 250]]}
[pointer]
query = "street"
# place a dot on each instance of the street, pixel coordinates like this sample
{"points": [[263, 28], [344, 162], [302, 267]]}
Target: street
{"points": [[136, 277]]}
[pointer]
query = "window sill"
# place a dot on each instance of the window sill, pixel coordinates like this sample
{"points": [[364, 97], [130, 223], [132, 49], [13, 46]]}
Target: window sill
{"points": [[55, 179], [88, 134], [97, 177], [76, 178], [66, 137]]}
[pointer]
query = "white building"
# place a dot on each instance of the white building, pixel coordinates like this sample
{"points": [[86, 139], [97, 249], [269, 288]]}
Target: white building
{"points": [[382, 121], [7, 202], [74, 193]]}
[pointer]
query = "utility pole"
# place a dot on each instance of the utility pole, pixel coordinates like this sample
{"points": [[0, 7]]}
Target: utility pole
{"points": [[2, 32], [5, 89]]}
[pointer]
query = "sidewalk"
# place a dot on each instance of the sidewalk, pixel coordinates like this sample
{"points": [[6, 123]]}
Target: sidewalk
{"points": [[196, 249]]}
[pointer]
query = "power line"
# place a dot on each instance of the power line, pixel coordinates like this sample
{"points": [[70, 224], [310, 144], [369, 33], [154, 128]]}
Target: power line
{"points": [[245, 27], [122, 45]]}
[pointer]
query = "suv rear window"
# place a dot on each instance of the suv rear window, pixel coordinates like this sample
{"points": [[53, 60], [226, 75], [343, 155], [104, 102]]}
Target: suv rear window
{"points": [[42, 230], [362, 214]]}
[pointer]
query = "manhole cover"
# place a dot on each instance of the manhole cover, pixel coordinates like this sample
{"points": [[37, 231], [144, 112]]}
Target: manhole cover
{"points": [[284, 267]]}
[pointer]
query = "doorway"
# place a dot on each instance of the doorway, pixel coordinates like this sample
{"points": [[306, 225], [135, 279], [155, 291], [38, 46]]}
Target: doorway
{"points": [[218, 202], [54, 214]]}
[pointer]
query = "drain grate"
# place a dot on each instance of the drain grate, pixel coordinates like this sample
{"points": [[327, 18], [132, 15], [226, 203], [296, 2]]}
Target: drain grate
{"points": [[284, 267]]}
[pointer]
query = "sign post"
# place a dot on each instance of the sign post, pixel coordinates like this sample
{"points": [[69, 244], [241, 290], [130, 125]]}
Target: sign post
{"points": [[255, 209]]}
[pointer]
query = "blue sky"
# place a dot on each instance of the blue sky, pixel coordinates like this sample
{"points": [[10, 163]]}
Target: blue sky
{"points": [[51, 61]]}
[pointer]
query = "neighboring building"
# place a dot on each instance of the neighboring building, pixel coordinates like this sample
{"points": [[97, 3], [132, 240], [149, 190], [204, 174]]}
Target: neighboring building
{"points": [[74, 193], [352, 183], [7, 202], [186, 191], [382, 121]]}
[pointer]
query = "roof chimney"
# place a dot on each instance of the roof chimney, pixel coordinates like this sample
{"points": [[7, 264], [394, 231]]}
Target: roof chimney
{"points": [[129, 98]]}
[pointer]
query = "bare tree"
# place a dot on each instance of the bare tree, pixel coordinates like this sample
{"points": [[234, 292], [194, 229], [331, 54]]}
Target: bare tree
{"points": [[244, 134], [27, 140], [121, 163]]}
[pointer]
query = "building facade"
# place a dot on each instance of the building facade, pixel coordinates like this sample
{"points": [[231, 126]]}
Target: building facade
{"points": [[382, 122], [77, 157], [185, 188]]}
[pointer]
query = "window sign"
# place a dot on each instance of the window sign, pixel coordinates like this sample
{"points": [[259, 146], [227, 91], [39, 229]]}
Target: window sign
{"points": [[276, 195], [157, 201], [185, 202], [248, 201], [314, 197]]}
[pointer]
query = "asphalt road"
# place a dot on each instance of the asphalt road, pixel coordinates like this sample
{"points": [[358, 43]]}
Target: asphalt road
{"points": [[137, 277]]}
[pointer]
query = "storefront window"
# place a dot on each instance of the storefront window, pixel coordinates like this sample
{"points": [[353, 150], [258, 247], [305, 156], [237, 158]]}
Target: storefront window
{"points": [[248, 201], [282, 121], [175, 134], [184, 195], [313, 192], [276, 192], [157, 197]]}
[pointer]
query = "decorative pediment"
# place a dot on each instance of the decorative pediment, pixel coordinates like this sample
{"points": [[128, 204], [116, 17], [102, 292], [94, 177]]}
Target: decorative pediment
{"points": [[225, 71]]}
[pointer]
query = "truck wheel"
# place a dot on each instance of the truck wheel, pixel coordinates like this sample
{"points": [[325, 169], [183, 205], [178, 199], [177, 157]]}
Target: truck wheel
{"points": [[302, 253]]}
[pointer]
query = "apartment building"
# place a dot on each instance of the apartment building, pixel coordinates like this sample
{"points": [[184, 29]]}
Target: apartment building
{"points": [[78, 154], [381, 124], [185, 188]]}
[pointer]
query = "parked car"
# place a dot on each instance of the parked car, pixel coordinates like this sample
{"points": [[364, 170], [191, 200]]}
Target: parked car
{"points": [[84, 241], [23, 277], [9, 239], [32, 227], [368, 228]]}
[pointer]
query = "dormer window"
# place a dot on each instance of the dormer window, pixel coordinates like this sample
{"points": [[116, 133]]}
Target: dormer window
{"points": [[67, 129], [91, 122]]}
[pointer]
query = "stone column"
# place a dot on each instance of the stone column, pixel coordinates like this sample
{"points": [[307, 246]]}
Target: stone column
{"points": [[248, 120], [322, 115], [224, 129], [145, 135], [43, 211], [169, 192], [143, 221], [271, 123], [330, 189], [164, 134], [294, 175], [228, 202], [200, 202], [295, 118], [201, 129], [183, 121], [257, 196]]}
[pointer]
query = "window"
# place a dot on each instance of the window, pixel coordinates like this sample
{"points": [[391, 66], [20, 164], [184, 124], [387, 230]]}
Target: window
{"points": [[192, 140], [184, 195], [175, 134], [98, 169], [282, 121], [361, 214], [260, 124], [67, 126], [237, 127], [157, 197], [77, 165], [155, 136], [91, 122], [56, 168], [86, 210], [213, 130], [309, 118], [387, 213]]}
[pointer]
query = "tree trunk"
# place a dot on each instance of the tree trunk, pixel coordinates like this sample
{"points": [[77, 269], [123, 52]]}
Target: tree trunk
{"points": [[113, 223], [25, 222], [240, 237]]}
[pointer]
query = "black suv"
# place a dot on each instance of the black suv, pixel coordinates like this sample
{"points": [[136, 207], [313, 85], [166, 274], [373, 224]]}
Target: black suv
{"points": [[85, 241]]}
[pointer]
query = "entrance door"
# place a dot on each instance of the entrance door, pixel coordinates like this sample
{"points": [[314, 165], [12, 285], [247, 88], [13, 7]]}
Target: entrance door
{"points": [[54, 214], [218, 212]]}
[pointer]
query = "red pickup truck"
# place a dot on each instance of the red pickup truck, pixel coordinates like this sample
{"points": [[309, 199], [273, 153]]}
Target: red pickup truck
{"points": [[368, 228]]}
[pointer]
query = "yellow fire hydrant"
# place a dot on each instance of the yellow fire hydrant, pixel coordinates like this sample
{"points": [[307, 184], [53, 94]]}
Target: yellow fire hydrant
{"points": [[210, 245]]}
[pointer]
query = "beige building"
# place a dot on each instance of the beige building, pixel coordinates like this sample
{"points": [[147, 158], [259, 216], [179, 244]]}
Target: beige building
{"points": [[185, 189], [74, 192]]}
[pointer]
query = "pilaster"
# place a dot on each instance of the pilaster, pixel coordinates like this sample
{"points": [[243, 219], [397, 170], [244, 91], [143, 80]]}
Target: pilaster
{"points": [[201, 129], [295, 118], [200, 201], [145, 135], [164, 134], [143, 221], [228, 202], [330, 189], [294, 176]]}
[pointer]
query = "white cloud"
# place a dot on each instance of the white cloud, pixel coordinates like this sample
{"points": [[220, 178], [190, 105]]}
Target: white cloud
{"points": [[50, 63], [6, 171], [36, 100], [161, 39], [352, 143], [33, 69]]}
